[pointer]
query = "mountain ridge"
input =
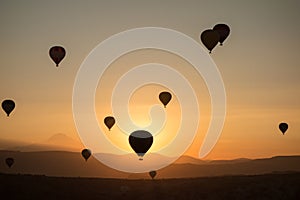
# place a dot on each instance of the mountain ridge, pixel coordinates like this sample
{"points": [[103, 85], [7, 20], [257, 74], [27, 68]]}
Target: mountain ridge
{"points": [[71, 164]]}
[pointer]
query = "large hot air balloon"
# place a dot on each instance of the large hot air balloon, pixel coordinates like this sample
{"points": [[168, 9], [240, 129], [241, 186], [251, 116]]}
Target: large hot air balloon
{"points": [[57, 53], [152, 174], [210, 39], [283, 127], [86, 153], [223, 31], [165, 98], [8, 106], [109, 122], [9, 162], [140, 141]]}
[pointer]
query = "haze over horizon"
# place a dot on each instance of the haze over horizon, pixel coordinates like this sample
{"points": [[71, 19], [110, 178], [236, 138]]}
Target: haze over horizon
{"points": [[258, 63], [64, 143]]}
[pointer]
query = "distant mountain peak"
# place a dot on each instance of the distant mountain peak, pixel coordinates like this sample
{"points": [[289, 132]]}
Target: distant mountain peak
{"points": [[59, 137]]}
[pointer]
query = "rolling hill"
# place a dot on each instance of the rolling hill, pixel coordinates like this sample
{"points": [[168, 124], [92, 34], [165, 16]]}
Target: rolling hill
{"points": [[71, 164]]}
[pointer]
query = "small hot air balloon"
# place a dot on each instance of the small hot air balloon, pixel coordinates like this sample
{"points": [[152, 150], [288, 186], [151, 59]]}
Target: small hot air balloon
{"points": [[57, 53], [86, 153], [109, 122], [152, 174], [283, 127], [210, 39], [223, 31], [165, 98], [140, 141], [8, 106], [9, 162], [124, 189]]}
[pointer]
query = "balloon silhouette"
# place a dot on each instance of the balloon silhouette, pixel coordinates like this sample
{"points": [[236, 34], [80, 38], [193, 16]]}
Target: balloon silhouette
{"points": [[86, 153], [210, 39], [165, 98], [124, 189], [152, 174], [57, 53], [8, 106], [223, 31], [283, 127], [140, 141], [109, 122], [9, 162]]}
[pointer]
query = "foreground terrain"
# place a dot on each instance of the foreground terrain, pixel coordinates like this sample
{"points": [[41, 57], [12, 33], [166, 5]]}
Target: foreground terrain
{"points": [[268, 186]]}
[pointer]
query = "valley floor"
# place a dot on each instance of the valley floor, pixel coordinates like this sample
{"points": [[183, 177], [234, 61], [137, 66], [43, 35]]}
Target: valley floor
{"points": [[269, 186]]}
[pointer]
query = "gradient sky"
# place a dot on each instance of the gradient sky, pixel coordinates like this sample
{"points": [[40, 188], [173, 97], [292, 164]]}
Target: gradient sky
{"points": [[259, 63]]}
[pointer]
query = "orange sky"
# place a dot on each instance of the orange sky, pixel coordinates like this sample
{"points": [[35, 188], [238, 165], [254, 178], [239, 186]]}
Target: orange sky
{"points": [[258, 63]]}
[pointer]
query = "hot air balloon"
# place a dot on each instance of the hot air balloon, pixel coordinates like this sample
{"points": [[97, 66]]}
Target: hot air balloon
{"points": [[8, 106], [210, 39], [9, 162], [109, 122], [165, 98], [152, 174], [283, 127], [86, 153], [57, 53], [124, 189], [140, 141], [223, 31]]}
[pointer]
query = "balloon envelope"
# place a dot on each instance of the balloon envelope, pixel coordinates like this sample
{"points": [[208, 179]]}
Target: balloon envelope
{"points": [[283, 127], [210, 39], [86, 153], [9, 162], [109, 122], [223, 31], [152, 174], [165, 98], [140, 141], [57, 53], [8, 106], [124, 188]]}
